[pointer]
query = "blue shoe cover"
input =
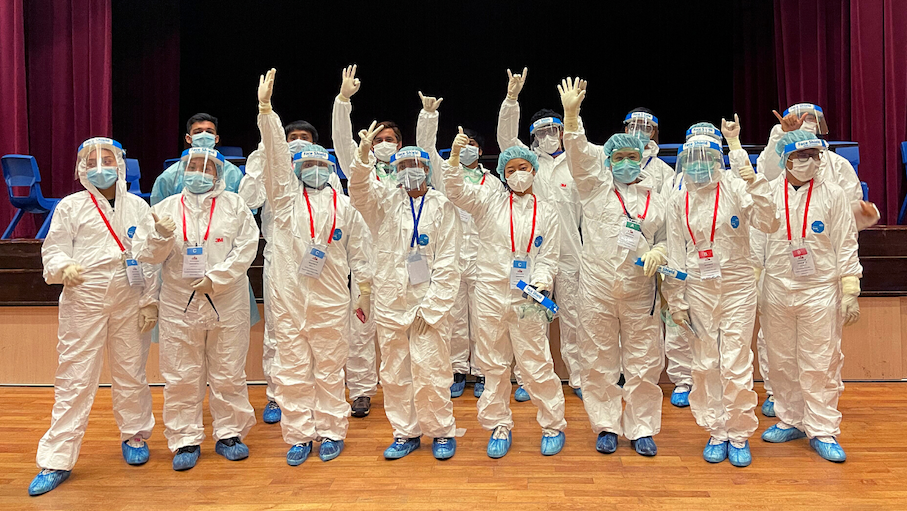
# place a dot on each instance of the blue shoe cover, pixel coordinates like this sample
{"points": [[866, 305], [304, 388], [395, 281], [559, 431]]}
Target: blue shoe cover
{"points": [[552, 445], [606, 442], [443, 448], [298, 454], [521, 395], [135, 455], [644, 446], [680, 399], [232, 448], [832, 452], [271, 414], [715, 453], [47, 480], [479, 387], [778, 435], [186, 457], [401, 447], [456, 390], [739, 456], [579, 393], [768, 407], [498, 447], [330, 449]]}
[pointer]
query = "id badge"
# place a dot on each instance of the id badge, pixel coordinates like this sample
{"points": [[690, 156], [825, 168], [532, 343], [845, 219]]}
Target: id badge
{"points": [[709, 268], [194, 263], [802, 262], [417, 267], [520, 270], [313, 262], [464, 216], [630, 231], [134, 272]]}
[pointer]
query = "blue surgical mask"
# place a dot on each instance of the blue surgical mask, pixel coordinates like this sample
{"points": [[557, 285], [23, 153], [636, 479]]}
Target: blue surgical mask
{"points": [[469, 155], [104, 178], [699, 172], [203, 139], [315, 177], [625, 171], [196, 182], [297, 145]]}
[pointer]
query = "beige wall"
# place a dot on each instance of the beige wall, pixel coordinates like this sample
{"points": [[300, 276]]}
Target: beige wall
{"points": [[875, 348]]}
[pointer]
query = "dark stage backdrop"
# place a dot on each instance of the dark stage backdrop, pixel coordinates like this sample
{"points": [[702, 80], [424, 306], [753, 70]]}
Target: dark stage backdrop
{"points": [[665, 56]]}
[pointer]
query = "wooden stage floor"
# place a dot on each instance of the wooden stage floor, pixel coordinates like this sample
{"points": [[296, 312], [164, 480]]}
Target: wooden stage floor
{"points": [[787, 476]]}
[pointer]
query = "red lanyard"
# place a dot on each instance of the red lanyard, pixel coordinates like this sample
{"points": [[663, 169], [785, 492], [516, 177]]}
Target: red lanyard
{"points": [[109, 228], [183, 209], [535, 203], [483, 179], [305, 194], [809, 196], [644, 213], [714, 218]]}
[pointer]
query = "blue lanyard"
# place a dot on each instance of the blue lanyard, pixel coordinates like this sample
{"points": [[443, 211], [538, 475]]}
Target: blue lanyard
{"points": [[412, 208]]}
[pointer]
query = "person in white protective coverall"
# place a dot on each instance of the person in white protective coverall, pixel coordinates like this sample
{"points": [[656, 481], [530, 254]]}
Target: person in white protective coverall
{"points": [[316, 236], [519, 241], [252, 190], [416, 280], [810, 118], [620, 327], [554, 185], [108, 299], [708, 238], [463, 356], [204, 303], [361, 369], [812, 281]]}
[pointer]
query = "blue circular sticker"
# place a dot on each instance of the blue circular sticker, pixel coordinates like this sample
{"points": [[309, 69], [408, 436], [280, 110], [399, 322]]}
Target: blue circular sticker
{"points": [[538, 241], [818, 227], [131, 231], [735, 222], [337, 234], [423, 239]]}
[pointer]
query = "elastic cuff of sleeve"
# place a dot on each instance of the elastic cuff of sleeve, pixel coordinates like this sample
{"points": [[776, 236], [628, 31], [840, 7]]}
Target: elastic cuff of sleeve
{"points": [[264, 108], [734, 144]]}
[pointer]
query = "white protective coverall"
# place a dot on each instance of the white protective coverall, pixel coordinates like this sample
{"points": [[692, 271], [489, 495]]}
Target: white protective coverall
{"points": [[620, 327], [554, 185], [310, 316], [801, 316], [722, 310], [198, 344], [463, 357], [252, 190], [415, 369], [362, 366], [509, 326], [102, 311]]}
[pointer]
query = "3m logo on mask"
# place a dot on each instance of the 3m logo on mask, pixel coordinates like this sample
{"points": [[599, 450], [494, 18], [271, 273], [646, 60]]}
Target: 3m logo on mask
{"points": [[818, 227]]}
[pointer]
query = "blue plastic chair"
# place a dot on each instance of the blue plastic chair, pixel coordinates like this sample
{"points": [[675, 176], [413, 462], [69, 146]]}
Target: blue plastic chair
{"points": [[169, 162], [904, 161], [21, 171], [133, 174], [444, 153], [229, 150], [852, 154]]}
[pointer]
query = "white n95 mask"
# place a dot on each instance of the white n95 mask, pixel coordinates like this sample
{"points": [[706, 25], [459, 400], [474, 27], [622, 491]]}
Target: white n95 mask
{"points": [[520, 181]]}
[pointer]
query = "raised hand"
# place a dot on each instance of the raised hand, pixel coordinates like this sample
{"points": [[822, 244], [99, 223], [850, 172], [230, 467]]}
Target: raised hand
{"points": [[164, 226], [350, 84], [572, 91], [790, 122], [459, 142], [366, 137], [430, 104], [730, 129], [515, 83], [266, 87]]}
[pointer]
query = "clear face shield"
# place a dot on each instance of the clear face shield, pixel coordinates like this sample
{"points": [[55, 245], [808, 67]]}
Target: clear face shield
{"points": [[202, 168], [101, 158], [704, 131], [641, 125], [815, 117], [701, 162], [546, 134], [804, 159], [313, 166], [412, 167]]}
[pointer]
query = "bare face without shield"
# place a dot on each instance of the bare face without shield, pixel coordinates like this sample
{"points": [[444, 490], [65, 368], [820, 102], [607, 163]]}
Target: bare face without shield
{"points": [[515, 165], [300, 135]]}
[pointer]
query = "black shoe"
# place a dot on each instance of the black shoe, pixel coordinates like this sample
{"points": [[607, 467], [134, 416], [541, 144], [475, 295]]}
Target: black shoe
{"points": [[362, 405]]}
